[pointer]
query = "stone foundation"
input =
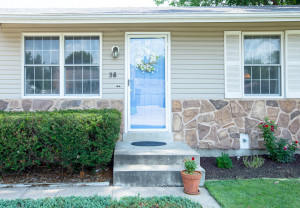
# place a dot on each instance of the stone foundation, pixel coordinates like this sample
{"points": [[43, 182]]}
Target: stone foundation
{"points": [[203, 124], [58, 104], [217, 124]]}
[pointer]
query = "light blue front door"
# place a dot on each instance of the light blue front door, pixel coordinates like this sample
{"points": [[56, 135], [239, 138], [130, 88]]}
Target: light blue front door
{"points": [[147, 83]]}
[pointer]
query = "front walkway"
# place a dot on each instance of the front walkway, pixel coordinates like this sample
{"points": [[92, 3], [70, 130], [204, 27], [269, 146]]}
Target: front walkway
{"points": [[205, 199]]}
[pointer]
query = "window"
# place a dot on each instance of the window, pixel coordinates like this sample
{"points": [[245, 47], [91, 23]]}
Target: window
{"points": [[41, 65], [82, 65], [61, 65], [262, 65]]}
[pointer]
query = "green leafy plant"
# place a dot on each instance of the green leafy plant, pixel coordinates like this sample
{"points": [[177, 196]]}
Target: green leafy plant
{"points": [[190, 165], [73, 139], [101, 201], [280, 150], [224, 161], [253, 161]]}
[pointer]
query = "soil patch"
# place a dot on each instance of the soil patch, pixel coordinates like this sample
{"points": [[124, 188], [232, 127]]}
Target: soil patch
{"points": [[270, 169], [50, 175]]}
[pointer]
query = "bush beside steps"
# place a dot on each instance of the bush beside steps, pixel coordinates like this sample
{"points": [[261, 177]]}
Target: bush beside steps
{"points": [[73, 139]]}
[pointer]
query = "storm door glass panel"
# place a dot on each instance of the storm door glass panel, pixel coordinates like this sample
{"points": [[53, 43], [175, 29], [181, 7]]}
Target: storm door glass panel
{"points": [[147, 83]]}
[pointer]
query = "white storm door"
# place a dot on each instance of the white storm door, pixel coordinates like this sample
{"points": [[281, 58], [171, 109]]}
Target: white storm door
{"points": [[147, 91]]}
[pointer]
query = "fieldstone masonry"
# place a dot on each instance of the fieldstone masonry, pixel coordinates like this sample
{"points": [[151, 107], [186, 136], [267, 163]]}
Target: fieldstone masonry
{"points": [[51, 105], [207, 124], [217, 124]]}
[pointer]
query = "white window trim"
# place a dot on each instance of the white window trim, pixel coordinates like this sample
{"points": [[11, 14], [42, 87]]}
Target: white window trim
{"points": [[282, 82], [61, 66]]}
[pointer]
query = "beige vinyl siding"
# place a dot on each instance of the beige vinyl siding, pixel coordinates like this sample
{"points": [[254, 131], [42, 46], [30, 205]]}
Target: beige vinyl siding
{"points": [[197, 54], [197, 64], [109, 87], [10, 65]]}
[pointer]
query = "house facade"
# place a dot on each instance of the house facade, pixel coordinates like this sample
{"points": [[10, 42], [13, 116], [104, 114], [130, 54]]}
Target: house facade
{"points": [[206, 76]]}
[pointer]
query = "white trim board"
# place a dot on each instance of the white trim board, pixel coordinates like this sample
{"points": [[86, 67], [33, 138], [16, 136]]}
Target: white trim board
{"points": [[167, 36], [150, 17]]}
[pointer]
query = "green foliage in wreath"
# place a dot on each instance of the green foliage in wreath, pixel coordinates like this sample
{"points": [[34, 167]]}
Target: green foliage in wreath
{"points": [[147, 67]]}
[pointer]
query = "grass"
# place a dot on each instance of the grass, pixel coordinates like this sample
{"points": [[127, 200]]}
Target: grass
{"points": [[256, 193], [99, 202]]}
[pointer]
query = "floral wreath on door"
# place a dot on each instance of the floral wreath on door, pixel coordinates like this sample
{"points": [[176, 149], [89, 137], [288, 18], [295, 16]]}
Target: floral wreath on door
{"points": [[146, 60]]}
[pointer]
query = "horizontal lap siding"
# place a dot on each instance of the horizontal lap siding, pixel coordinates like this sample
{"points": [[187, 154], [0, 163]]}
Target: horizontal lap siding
{"points": [[197, 65], [110, 89], [197, 51], [10, 65]]}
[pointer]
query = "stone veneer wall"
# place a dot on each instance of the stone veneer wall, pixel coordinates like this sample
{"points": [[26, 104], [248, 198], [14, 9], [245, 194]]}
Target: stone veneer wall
{"points": [[57, 104], [209, 124]]}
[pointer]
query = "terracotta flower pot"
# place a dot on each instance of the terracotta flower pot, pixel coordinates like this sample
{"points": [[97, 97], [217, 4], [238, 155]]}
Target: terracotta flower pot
{"points": [[191, 182]]}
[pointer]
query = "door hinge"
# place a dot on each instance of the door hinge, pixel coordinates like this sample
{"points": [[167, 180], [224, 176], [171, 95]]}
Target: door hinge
{"points": [[128, 82]]}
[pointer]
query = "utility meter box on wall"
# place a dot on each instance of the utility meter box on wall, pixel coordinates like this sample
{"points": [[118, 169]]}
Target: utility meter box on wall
{"points": [[244, 141]]}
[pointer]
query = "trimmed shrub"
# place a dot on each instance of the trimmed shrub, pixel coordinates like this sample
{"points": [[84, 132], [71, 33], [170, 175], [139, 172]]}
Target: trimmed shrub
{"points": [[224, 161], [74, 139]]}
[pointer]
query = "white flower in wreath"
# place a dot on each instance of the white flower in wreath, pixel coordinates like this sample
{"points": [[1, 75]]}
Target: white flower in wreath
{"points": [[149, 66]]}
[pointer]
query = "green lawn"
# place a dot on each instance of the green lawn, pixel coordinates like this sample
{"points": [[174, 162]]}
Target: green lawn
{"points": [[256, 193], [98, 201]]}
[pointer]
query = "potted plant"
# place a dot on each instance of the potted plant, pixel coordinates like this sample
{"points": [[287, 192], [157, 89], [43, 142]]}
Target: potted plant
{"points": [[191, 177]]}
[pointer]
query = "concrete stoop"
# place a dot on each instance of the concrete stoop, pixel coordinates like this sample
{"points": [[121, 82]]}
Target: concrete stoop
{"points": [[152, 166]]}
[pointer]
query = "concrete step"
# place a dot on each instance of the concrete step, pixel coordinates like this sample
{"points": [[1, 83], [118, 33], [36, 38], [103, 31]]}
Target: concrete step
{"points": [[147, 136], [152, 166], [170, 154], [154, 159], [150, 175]]}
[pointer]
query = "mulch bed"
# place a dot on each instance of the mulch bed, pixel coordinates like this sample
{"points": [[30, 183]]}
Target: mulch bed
{"points": [[56, 175], [270, 169]]}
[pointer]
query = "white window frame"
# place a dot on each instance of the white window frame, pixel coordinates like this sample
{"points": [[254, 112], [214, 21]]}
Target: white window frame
{"points": [[61, 66], [282, 75]]}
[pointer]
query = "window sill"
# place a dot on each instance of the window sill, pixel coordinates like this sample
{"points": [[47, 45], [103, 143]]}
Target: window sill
{"points": [[62, 97], [262, 97]]}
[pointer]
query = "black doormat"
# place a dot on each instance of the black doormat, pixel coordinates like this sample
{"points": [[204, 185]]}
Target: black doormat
{"points": [[148, 143]]}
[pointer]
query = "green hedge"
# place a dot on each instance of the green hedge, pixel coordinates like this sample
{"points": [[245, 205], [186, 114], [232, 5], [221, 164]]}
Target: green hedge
{"points": [[73, 138]]}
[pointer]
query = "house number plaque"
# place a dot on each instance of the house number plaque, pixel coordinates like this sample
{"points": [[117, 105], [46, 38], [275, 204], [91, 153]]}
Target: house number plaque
{"points": [[112, 74]]}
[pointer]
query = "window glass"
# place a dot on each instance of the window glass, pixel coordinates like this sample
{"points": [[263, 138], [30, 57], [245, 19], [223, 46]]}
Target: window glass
{"points": [[41, 65], [262, 67], [82, 65]]}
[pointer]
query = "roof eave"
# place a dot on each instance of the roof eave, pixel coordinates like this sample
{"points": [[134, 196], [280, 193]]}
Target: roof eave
{"points": [[151, 18]]}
